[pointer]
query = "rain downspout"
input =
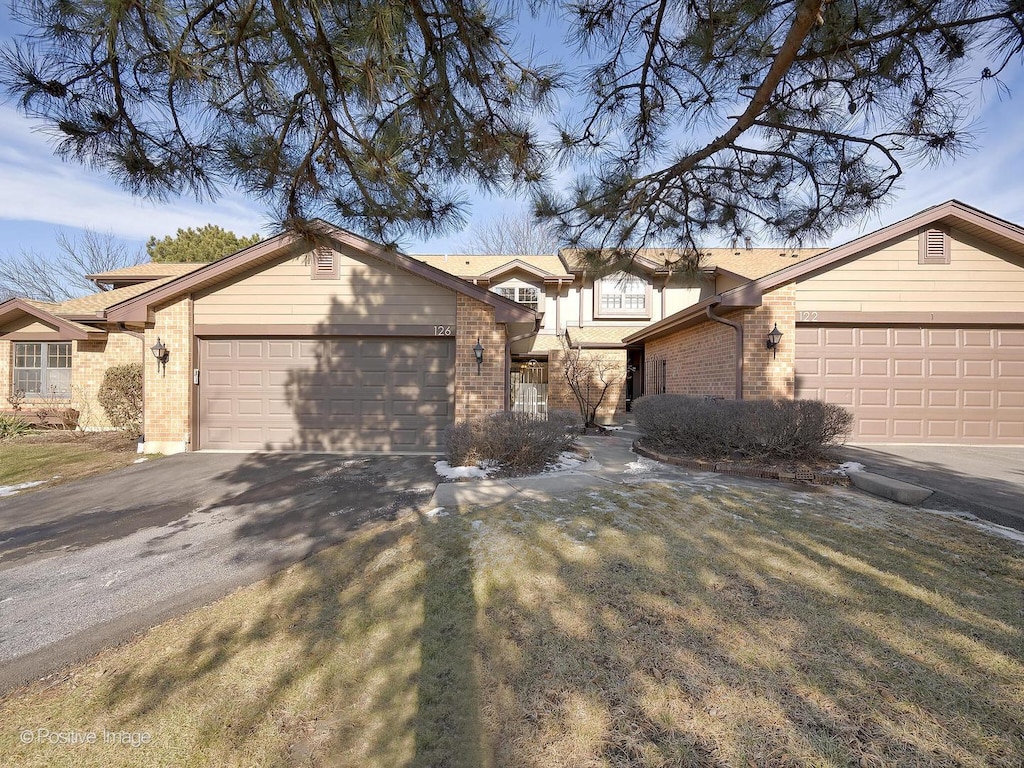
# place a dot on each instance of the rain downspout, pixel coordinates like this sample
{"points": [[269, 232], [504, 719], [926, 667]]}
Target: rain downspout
{"points": [[739, 345], [508, 357]]}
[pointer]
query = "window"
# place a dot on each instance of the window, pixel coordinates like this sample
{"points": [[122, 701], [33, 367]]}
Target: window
{"points": [[525, 295], [42, 369], [622, 295]]}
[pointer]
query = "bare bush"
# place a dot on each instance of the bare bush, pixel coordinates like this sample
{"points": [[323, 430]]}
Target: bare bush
{"points": [[589, 377], [755, 429], [518, 442]]}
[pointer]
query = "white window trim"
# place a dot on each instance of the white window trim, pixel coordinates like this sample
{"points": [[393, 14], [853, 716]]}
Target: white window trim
{"points": [[613, 284], [44, 368], [517, 295]]}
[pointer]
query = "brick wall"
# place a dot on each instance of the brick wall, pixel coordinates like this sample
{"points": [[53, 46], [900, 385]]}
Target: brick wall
{"points": [[89, 361], [700, 360], [476, 394], [560, 397], [765, 376], [6, 360], [168, 391]]}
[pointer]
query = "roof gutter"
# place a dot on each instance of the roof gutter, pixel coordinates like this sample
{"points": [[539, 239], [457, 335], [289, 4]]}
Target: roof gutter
{"points": [[508, 357], [738, 327]]}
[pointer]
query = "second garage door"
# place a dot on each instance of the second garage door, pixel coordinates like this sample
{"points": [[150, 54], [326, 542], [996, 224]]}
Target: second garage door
{"points": [[918, 385], [337, 394]]}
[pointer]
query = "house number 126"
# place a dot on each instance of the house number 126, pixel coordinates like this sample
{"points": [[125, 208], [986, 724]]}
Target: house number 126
{"points": [[442, 330]]}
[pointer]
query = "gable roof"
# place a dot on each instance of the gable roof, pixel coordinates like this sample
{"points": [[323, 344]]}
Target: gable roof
{"points": [[139, 273], [745, 262], [66, 329], [138, 308], [470, 266], [953, 213]]}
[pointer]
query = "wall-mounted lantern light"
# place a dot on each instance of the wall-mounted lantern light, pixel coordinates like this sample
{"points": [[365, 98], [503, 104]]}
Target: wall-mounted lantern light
{"points": [[161, 353], [478, 352], [773, 340]]}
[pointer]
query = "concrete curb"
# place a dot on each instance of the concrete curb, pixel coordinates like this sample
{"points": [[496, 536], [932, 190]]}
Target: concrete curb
{"points": [[887, 488], [728, 468]]}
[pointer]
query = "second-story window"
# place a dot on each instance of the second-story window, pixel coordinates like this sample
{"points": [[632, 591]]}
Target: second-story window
{"points": [[525, 295], [623, 294]]}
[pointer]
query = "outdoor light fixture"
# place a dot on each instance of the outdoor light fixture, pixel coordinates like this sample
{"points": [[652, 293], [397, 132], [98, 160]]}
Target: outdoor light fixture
{"points": [[773, 340], [478, 351], [161, 353]]}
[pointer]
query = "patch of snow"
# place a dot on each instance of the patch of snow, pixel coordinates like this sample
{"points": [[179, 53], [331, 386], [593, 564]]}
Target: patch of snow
{"points": [[846, 468], [477, 525], [983, 525], [437, 512], [565, 462], [11, 490], [448, 472], [611, 427], [641, 466], [139, 461]]}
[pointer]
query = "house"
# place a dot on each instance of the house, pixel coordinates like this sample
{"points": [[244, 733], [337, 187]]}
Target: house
{"points": [[597, 312], [917, 329], [337, 343]]}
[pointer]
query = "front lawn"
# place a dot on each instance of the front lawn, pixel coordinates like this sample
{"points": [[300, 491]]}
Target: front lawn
{"points": [[702, 624], [57, 456]]}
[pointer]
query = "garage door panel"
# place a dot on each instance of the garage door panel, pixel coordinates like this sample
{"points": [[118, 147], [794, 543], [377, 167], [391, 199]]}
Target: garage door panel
{"points": [[332, 394], [952, 385]]}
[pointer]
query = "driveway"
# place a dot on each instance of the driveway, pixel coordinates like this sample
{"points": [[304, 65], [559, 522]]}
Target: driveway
{"points": [[985, 481], [87, 564]]}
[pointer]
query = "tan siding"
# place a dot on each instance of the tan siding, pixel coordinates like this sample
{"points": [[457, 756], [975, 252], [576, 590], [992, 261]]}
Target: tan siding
{"points": [[978, 277], [368, 292], [31, 325]]}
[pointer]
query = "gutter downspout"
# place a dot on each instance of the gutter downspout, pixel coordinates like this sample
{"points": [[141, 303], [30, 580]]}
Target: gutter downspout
{"points": [[508, 358], [739, 344]]}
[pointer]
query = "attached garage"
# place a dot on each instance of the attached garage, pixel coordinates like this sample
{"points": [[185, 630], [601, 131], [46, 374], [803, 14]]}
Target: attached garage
{"points": [[321, 341], [925, 384], [336, 394], [917, 329]]}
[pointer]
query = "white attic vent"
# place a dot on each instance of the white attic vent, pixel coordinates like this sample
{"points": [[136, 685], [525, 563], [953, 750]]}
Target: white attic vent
{"points": [[933, 247], [324, 264]]}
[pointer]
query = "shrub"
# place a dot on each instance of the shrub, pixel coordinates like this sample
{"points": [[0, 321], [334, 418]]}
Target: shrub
{"points": [[518, 442], [12, 426], [757, 429], [121, 396]]}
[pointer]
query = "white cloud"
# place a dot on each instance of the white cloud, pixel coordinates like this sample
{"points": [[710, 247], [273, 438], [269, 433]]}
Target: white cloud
{"points": [[37, 186]]}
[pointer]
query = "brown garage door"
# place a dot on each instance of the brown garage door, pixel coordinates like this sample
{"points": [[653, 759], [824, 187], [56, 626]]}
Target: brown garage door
{"points": [[338, 394], [918, 385]]}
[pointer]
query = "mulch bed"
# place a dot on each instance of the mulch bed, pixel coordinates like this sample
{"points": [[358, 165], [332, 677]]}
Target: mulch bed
{"points": [[805, 473]]}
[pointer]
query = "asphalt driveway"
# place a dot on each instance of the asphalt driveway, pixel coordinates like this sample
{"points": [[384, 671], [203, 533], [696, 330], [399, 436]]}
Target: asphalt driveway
{"points": [[89, 563], [986, 481]]}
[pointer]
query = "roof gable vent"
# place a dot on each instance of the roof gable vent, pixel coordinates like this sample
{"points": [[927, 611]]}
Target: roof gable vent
{"points": [[324, 264], [933, 247]]}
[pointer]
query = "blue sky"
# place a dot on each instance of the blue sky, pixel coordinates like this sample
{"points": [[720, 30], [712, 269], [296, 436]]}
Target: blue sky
{"points": [[40, 194]]}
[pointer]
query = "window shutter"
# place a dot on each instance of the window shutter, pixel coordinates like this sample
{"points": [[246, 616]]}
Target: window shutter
{"points": [[933, 247], [324, 264]]}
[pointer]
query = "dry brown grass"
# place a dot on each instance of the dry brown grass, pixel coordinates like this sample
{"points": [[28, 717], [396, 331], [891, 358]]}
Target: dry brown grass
{"points": [[59, 456], [698, 625]]}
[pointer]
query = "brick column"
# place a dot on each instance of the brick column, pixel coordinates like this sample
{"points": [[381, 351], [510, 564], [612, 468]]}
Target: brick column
{"points": [[765, 376], [477, 395], [6, 351], [168, 424]]}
